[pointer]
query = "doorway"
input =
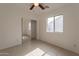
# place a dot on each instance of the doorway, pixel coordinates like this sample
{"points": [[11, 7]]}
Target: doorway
{"points": [[33, 29]]}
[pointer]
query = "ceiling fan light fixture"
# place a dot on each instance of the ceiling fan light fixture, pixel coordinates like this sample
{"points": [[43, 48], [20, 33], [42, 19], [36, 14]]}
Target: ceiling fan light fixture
{"points": [[36, 4]]}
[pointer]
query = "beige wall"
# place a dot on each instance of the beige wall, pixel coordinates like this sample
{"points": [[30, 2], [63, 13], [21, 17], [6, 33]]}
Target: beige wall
{"points": [[69, 38], [10, 25], [26, 20]]}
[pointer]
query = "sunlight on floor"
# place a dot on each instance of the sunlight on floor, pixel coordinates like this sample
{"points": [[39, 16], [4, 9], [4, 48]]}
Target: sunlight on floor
{"points": [[46, 55], [37, 52]]}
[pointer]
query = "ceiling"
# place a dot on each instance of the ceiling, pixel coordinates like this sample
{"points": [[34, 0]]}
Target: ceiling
{"points": [[38, 10]]}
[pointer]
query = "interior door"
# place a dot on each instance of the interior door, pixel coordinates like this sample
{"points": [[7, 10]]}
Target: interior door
{"points": [[33, 29]]}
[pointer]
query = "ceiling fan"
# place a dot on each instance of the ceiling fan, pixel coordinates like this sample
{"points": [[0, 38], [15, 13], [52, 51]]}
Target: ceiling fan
{"points": [[38, 5]]}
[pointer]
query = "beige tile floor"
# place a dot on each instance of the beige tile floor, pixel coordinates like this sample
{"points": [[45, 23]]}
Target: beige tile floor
{"points": [[36, 48]]}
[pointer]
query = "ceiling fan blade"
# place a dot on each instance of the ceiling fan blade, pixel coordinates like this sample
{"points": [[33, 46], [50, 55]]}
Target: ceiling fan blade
{"points": [[41, 6], [46, 6], [32, 7]]}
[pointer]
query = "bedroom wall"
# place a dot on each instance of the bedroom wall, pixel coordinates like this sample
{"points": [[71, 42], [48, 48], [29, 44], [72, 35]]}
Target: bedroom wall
{"points": [[10, 25], [26, 20], [69, 38], [28, 16]]}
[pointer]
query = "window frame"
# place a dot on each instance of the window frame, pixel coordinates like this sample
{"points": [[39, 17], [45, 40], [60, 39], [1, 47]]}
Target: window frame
{"points": [[54, 24]]}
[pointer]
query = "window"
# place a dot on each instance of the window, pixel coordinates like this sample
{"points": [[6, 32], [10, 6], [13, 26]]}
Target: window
{"points": [[59, 23], [55, 24], [50, 24]]}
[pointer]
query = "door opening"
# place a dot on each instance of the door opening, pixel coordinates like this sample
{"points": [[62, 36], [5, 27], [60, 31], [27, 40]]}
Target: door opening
{"points": [[33, 29]]}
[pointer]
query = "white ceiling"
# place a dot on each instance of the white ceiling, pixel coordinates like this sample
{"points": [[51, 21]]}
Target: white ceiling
{"points": [[38, 10]]}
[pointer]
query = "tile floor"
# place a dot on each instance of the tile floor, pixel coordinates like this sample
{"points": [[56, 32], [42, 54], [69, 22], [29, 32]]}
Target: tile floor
{"points": [[36, 48]]}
